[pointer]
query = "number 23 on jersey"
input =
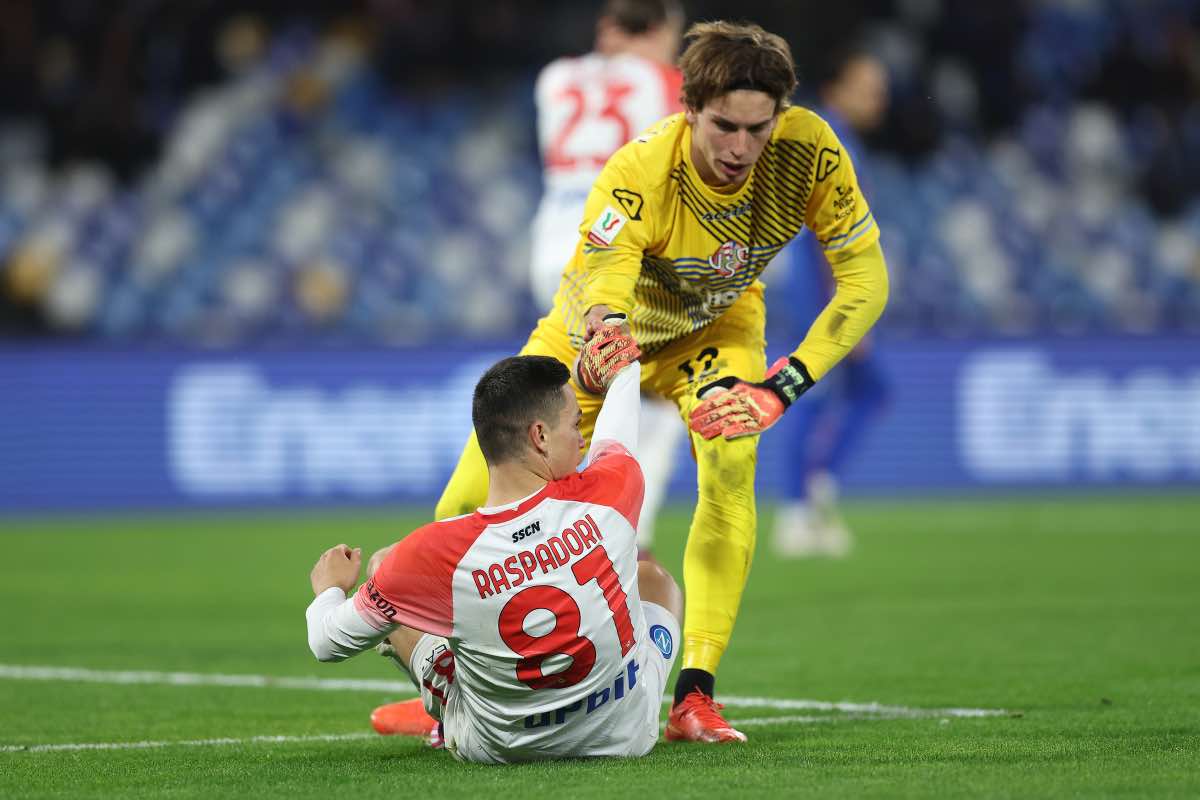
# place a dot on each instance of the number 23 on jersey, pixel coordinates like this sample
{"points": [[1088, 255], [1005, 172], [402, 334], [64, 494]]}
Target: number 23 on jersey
{"points": [[593, 130]]}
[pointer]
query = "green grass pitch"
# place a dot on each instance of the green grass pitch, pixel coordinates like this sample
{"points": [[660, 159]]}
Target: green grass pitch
{"points": [[1079, 615]]}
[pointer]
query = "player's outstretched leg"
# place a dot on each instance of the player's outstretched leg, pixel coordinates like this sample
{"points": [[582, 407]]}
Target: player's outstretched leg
{"points": [[655, 585], [716, 564], [408, 717]]}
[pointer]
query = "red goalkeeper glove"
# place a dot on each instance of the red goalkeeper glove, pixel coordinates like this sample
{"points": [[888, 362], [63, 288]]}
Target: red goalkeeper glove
{"points": [[610, 350], [748, 409]]}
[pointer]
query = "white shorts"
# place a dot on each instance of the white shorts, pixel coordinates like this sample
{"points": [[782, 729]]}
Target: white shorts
{"points": [[630, 728]]}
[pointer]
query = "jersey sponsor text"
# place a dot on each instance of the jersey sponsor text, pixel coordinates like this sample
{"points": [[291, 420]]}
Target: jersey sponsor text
{"points": [[594, 701], [528, 531]]}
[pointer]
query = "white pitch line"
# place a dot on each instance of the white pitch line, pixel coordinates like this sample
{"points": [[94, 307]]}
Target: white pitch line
{"points": [[223, 741], [81, 675], [349, 737], [870, 709], [327, 737], [751, 722]]}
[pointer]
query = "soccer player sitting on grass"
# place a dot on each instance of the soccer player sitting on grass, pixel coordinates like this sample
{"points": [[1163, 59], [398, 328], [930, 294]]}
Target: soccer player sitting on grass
{"points": [[529, 626]]}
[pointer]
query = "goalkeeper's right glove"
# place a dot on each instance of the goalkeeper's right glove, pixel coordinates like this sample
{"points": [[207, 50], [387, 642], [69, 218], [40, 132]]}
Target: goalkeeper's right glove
{"points": [[609, 351], [734, 408]]}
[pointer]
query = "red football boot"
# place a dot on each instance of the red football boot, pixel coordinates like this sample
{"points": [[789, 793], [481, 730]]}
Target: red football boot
{"points": [[698, 719], [407, 718]]}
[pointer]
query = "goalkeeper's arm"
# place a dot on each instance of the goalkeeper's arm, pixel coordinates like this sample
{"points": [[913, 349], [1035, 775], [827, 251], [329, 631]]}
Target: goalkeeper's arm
{"points": [[857, 302], [746, 409]]}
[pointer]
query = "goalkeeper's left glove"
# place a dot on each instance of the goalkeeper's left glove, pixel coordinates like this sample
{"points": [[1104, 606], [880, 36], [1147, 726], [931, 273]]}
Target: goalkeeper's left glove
{"points": [[747, 409]]}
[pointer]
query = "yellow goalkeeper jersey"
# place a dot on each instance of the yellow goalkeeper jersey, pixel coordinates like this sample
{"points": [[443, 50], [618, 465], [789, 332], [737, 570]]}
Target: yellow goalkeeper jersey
{"points": [[660, 245]]}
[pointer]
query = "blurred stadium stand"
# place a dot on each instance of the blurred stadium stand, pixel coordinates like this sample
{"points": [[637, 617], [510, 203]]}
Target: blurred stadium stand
{"points": [[218, 178], [198, 197]]}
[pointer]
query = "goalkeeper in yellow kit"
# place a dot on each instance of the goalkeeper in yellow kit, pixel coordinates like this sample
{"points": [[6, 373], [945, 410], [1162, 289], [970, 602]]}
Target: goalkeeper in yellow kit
{"points": [[677, 229]]}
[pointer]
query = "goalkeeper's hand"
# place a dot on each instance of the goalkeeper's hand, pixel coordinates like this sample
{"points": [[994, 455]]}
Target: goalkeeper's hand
{"points": [[608, 350], [736, 408]]}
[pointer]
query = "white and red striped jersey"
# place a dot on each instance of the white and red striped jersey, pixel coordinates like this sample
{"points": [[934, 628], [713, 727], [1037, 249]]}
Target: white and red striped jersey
{"points": [[539, 602], [587, 108]]}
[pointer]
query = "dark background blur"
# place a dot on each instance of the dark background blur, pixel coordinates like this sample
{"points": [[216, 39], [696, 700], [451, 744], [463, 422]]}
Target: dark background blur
{"points": [[1037, 171], [259, 252], [107, 78]]}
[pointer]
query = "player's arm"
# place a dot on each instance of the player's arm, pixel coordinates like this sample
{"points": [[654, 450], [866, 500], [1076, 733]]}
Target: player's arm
{"points": [[839, 217], [858, 300], [337, 629], [613, 475], [617, 422], [614, 239]]}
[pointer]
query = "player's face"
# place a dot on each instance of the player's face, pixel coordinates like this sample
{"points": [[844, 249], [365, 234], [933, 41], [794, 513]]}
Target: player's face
{"points": [[565, 441], [728, 136]]}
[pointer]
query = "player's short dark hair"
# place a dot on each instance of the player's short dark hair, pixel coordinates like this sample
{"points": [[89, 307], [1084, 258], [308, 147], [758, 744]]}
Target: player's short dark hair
{"points": [[722, 57], [639, 16], [509, 397]]}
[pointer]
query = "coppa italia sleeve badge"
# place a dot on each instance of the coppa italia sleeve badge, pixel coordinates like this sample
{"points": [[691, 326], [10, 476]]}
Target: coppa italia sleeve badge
{"points": [[606, 227]]}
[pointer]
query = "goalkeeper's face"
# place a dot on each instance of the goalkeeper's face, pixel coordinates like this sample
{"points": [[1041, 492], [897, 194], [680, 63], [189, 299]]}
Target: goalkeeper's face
{"points": [[729, 134], [563, 440]]}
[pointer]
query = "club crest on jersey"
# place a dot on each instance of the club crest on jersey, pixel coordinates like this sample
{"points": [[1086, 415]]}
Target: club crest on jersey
{"points": [[606, 227], [729, 258], [662, 640]]}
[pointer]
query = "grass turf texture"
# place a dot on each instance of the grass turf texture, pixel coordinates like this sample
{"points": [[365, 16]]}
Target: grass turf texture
{"points": [[1081, 613]]}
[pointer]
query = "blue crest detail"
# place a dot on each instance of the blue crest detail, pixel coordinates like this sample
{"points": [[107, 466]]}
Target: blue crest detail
{"points": [[662, 640]]}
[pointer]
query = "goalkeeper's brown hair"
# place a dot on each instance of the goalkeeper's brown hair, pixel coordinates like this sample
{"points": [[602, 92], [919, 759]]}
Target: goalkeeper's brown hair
{"points": [[509, 397], [722, 57]]}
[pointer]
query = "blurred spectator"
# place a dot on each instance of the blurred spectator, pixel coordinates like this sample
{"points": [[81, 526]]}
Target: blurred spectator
{"points": [[587, 107], [852, 94]]}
